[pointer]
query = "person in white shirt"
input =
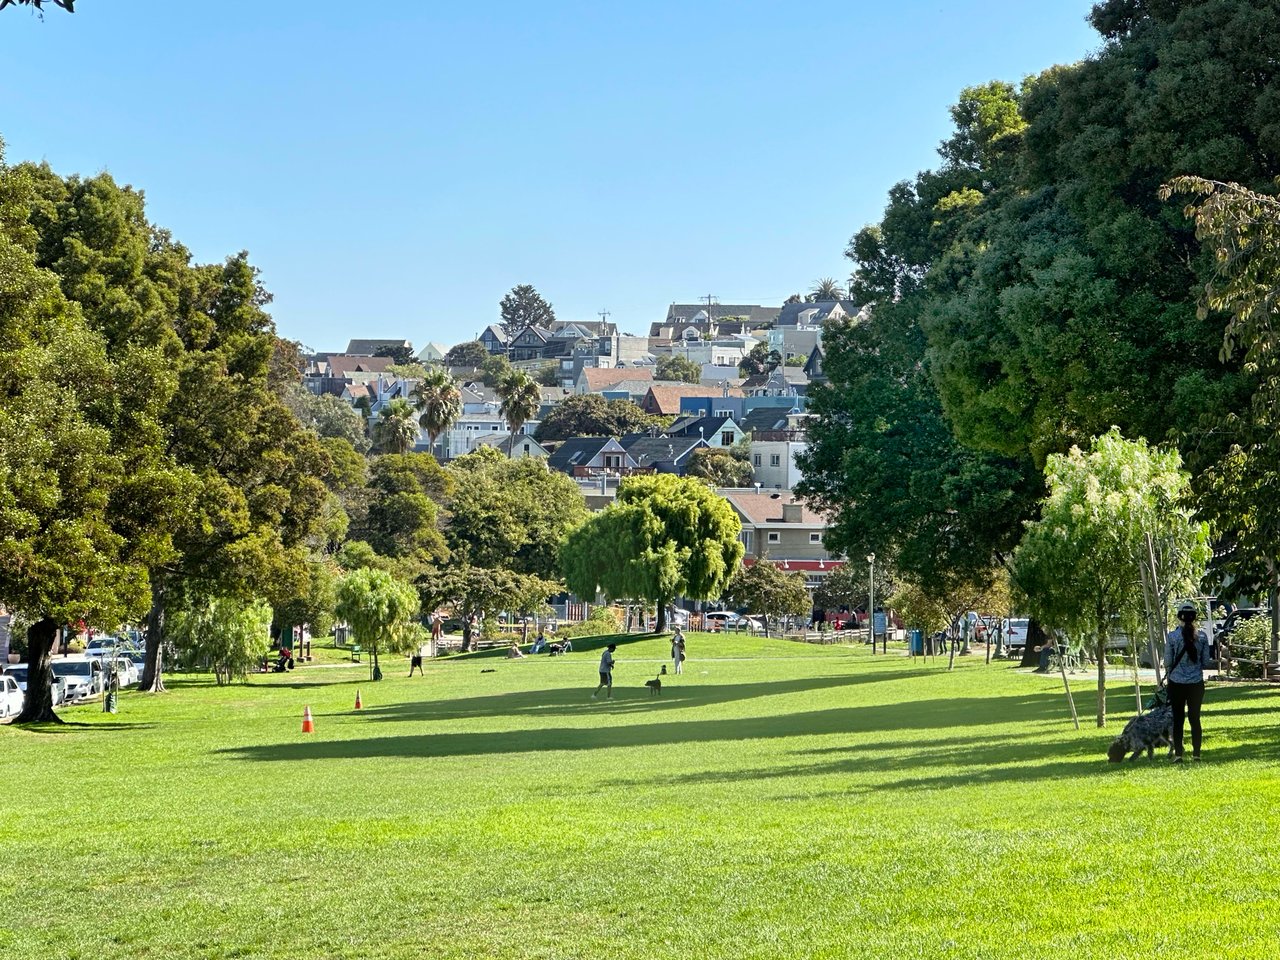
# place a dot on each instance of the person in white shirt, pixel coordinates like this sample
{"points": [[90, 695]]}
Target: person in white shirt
{"points": [[677, 650]]}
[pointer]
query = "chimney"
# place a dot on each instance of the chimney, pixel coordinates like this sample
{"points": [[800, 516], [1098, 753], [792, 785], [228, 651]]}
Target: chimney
{"points": [[791, 513]]}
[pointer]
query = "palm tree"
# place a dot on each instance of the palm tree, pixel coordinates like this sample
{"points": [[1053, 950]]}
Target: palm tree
{"points": [[439, 403], [520, 398], [397, 427], [826, 289]]}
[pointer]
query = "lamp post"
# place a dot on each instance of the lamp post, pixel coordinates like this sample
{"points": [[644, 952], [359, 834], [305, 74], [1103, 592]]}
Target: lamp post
{"points": [[871, 601]]}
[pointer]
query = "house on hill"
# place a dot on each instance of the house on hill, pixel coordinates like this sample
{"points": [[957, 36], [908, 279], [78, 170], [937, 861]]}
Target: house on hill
{"points": [[494, 340], [717, 431], [377, 348], [662, 454], [591, 456], [516, 448], [778, 526], [815, 314], [601, 379], [696, 320], [664, 399]]}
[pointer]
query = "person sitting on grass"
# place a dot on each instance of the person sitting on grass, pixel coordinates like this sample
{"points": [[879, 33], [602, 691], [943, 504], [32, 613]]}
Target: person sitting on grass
{"points": [[514, 652], [539, 644]]}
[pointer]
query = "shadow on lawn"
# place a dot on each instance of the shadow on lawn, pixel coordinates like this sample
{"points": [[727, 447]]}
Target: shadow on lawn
{"points": [[571, 701], [851, 721]]}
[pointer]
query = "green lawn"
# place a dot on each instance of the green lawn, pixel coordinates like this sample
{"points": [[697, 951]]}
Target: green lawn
{"points": [[779, 800]]}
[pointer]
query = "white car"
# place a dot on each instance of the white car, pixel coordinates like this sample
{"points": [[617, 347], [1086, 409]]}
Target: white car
{"points": [[1015, 634], [56, 686], [84, 677], [11, 697]]}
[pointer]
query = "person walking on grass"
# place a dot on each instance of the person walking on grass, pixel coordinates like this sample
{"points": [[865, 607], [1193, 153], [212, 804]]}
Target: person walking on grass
{"points": [[1186, 654], [677, 650], [606, 672]]}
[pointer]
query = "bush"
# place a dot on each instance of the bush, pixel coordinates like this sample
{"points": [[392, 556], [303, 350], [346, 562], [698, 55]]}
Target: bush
{"points": [[1251, 640], [601, 620]]}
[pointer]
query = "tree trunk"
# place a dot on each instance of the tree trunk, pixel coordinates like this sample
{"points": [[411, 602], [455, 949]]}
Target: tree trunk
{"points": [[152, 673], [37, 705], [466, 635], [1274, 603], [660, 619], [1035, 638], [1102, 679]]}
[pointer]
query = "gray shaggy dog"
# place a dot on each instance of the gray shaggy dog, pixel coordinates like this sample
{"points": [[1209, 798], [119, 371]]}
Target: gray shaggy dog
{"points": [[1144, 732]]}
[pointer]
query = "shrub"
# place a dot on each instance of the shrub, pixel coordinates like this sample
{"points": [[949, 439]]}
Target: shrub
{"points": [[601, 620], [1251, 640]]}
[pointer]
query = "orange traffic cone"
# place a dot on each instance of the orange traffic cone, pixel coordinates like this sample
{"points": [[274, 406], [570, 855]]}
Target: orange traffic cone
{"points": [[359, 706], [308, 726]]}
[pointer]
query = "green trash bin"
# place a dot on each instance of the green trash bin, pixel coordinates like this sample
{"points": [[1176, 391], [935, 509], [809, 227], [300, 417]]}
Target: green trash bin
{"points": [[917, 642]]}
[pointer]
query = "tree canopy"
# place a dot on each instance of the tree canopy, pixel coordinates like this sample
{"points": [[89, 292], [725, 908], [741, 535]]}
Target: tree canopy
{"points": [[524, 306], [591, 415], [677, 368], [664, 537], [763, 588]]}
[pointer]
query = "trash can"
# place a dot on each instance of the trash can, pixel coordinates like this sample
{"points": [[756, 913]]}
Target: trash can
{"points": [[917, 642]]}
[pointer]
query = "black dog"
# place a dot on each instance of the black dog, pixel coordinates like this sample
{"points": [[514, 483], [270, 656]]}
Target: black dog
{"points": [[1144, 732], [655, 685]]}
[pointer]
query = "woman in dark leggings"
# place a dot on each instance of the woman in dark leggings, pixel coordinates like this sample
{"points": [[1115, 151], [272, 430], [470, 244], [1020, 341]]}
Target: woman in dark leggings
{"points": [[1186, 654]]}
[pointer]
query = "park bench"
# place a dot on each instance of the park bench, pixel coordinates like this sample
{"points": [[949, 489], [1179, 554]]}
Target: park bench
{"points": [[355, 653]]}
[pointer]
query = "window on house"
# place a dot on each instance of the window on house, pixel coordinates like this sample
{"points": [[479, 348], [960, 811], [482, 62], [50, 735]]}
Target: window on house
{"points": [[815, 538], [775, 537], [755, 459], [526, 448], [775, 460], [726, 439], [745, 536]]}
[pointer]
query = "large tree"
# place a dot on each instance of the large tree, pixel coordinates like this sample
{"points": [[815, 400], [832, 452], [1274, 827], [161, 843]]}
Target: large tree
{"points": [[722, 466], [591, 415], [470, 353], [397, 428], [664, 537], [511, 513], [677, 368], [523, 306]]}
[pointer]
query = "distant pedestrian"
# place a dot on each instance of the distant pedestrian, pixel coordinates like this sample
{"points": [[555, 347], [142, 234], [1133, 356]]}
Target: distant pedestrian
{"points": [[415, 663], [677, 650], [437, 626], [1186, 654], [606, 672]]}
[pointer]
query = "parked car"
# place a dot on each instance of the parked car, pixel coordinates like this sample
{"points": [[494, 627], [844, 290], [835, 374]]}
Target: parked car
{"points": [[1015, 633], [729, 620], [11, 697], [84, 676], [127, 671], [19, 673]]}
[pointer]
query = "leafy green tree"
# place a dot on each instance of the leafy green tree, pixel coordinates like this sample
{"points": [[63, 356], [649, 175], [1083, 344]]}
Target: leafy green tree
{"points": [[494, 369], [591, 415], [63, 555], [547, 375], [438, 402], [524, 306], [664, 537], [380, 609], [486, 592], [826, 289], [402, 520], [326, 415], [511, 513], [677, 368], [848, 585], [721, 466], [760, 359], [470, 353], [226, 633], [520, 398], [1077, 569], [397, 428], [765, 589]]}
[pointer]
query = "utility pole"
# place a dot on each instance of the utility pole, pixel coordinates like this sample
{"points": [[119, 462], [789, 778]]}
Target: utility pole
{"points": [[604, 315], [710, 298], [871, 602]]}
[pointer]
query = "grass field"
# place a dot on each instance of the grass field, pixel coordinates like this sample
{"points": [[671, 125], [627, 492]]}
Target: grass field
{"points": [[779, 800]]}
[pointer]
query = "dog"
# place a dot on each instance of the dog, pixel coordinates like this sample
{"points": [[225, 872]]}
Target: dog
{"points": [[1144, 732], [655, 685], [663, 672]]}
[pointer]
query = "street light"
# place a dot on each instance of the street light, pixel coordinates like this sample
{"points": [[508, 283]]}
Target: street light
{"points": [[871, 602]]}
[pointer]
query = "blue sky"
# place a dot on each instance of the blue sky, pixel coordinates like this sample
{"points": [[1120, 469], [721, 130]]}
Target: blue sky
{"points": [[395, 167]]}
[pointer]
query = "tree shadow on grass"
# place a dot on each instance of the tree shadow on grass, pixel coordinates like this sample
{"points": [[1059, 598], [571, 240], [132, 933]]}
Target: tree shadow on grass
{"points": [[853, 721], [571, 701]]}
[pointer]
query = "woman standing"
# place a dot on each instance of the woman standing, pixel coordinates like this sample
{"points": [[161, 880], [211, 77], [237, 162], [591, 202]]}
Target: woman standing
{"points": [[677, 650], [1186, 654]]}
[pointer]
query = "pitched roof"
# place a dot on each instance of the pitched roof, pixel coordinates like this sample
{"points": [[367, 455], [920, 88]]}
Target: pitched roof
{"points": [[710, 426], [603, 378], [667, 397], [504, 441], [370, 348], [495, 330], [684, 312], [789, 316], [648, 451], [766, 508], [574, 452], [764, 418], [343, 365]]}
